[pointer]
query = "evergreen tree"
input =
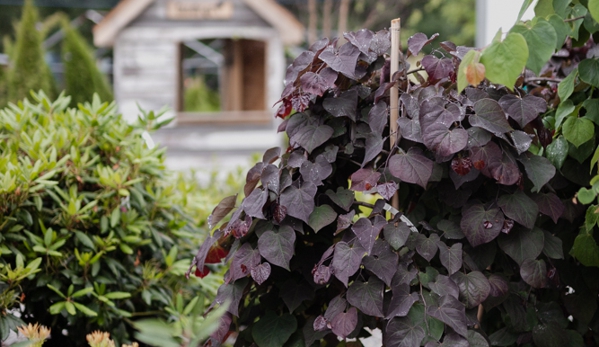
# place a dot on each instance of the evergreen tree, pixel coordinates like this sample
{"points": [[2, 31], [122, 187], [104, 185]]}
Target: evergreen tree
{"points": [[81, 74], [29, 70]]}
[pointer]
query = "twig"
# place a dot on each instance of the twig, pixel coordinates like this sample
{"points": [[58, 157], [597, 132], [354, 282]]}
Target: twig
{"points": [[573, 19], [364, 204], [543, 79], [415, 70]]}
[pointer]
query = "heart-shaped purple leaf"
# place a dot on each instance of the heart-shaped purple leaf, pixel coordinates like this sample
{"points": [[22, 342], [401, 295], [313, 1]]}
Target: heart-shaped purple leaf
{"points": [[480, 224], [278, 247], [490, 116], [346, 260], [411, 167]]}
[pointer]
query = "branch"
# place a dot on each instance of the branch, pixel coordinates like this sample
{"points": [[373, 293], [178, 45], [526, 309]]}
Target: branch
{"points": [[415, 70], [543, 79], [573, 19]]}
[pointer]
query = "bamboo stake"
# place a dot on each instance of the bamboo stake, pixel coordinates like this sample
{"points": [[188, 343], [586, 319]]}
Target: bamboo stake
{"points": [[394, 104]]}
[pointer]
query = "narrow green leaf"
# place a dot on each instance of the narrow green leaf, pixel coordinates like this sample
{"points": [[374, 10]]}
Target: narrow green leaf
{"points": [[85, 310], [566, 86]]}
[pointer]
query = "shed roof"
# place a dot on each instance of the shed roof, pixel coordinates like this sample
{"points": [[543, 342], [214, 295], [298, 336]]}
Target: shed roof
{"points": [[105, 32]]}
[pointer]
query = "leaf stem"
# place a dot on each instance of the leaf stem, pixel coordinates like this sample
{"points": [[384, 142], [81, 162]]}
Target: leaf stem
{"points": [[573, 19], [415, 70]]}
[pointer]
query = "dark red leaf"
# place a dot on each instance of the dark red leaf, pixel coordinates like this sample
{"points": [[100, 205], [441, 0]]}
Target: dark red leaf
{"points": [[319, 323], [461, 165], [489, 116], [550, 205], [519, 207], [378, 117], [382, 261], [534, 272], [411, 167], [346, 260], [401, 301], [523, 110], [346, 105], [505, 171], [203, 272], [361, 39], [344, 60], [299, 202], [344, 221], [244, 260], [279, 213], [451, 312], [436, 111], [252, 178], [443, 141], [221, 210], [480, 224], [367, 232], [367, 296], [387, 190], [345, 322], [254, 203], [321, 274], [508, 224], [474, 287], [437, 69], [364, 179], [216, 254]]}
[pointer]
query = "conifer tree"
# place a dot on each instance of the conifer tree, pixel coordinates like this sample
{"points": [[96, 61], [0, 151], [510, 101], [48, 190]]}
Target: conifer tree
{"points": [[81, 74], [28, 70]]}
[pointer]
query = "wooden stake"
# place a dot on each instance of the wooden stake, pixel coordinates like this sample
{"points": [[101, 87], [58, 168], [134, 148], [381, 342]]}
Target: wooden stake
{"points": [[394, 106]]}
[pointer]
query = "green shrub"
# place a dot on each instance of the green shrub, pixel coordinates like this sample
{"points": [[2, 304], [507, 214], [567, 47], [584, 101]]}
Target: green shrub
{"points": [[29, 70], [81, 74], [94, 232]]}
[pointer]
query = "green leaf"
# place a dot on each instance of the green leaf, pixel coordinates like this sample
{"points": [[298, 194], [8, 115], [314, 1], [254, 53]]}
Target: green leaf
{"points": [[585, 249], [578, 130], [589, 71], [272, 330], [566, 86], [563, 110], [561, 29], [118, 295], [544, 8], [70, 308], [593, 7], [56, 290], [523, 9], [541, 39], [85, 310], [115, 217], [322, 216], [82, 292], [557, 151], [592, 110], [504, 61], [57, 307], [84, 239], [586, 196]]}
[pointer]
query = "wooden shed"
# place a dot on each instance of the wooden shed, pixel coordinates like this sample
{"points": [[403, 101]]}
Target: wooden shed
{"points": [[235, 48]]}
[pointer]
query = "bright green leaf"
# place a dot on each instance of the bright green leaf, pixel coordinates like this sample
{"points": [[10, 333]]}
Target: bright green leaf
{"points": [[578, 130], [541, 39], [504, 61]]}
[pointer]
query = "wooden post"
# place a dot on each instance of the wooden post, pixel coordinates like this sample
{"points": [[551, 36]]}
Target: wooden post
{"points": [[342, 23], [312, 21], [394, 102]]}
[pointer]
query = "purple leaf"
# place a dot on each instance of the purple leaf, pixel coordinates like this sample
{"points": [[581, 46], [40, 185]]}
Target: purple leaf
{"points": [[410, 129], [343, 198], [271, 155], [505, 171], [427, 246], [474, 287], [443, 141], [401, 301], [367, 296], [451, 257], [410, 105], [224, 325], [519, 207], [402, 332], [451, 312], [343, 61], [436, 111], [299, 202], [396, 236], [364, 179], [346, 105], [378, 117], [318, 83], [202, 253], [346, 260], [311, 136], [321, 274], [437, 69], [322, 216], [345, 221], [296, 159], [523, 110], [316, 172], [238, 227], [520, 140], [261, 273], [253, 204], [361, 39], [270, 178], [444, 285], [522, 244], [278, 247], [231, 293], [293, 294], [336, 305], [374, 146], [245, 260], [411, 167], [417, 41], [382, 261], [319, 323], [550, 205], [478, 137], [483, 157], [489, 116], [252, 178], [499, 285], [387, 190], [451, 230], [367, 232], [221, 210], [455, 340], [480, 224], [345, 322], [381, 42], [552, 246], [538, 169], [403, 275], [534, 272]]}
